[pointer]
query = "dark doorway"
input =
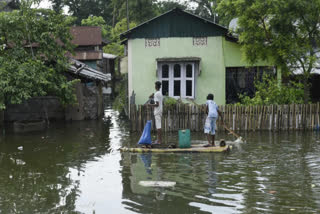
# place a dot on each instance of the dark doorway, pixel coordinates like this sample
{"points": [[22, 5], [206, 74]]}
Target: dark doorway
{"points": [[240, 80]]}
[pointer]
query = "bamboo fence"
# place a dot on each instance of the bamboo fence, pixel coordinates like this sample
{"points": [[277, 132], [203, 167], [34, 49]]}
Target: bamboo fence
{"points": [[242, 118]]}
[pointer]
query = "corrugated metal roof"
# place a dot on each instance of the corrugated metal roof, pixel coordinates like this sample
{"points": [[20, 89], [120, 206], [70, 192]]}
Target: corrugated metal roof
{"points": [[86, 35], [81, 69], [176, 23]]}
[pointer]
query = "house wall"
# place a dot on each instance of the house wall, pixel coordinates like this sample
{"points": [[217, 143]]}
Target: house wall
{"points": [[37, 108], [215, 57], [89, 106], [142, 66], [124, 65], [234, 57]]}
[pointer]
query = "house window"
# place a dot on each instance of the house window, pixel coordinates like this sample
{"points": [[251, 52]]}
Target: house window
{"points": [[178, 79]]}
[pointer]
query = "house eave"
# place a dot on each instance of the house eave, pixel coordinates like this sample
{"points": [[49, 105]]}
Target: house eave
{"points": [[78, 68], [179, 59]]}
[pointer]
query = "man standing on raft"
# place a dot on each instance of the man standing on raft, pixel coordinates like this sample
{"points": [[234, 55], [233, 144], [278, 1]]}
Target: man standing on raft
{"points": [[157, 110], [210, 126]]}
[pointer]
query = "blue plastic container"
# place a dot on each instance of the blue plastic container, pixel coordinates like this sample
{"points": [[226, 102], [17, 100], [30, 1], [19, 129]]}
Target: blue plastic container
{"points": [[184, 138], [145, 138]]}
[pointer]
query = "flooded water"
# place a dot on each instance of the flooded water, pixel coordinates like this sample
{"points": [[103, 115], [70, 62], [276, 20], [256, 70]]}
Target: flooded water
{"points": [[76, 167]]}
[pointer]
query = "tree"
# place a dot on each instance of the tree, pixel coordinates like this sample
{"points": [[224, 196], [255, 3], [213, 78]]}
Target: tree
{"points": [[165, 6], [82, 9], [206, 9], [57, 5], [139, 10], [287, 30], [33, 47], [100, 22], [9, 5], [115, 47]]}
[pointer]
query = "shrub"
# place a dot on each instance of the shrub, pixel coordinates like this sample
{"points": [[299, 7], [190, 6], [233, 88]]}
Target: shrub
{"points": [[270, 91], [169, 101]]}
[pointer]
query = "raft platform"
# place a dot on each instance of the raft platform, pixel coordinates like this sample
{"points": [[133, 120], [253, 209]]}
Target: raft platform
{"points": [[193, 149]]}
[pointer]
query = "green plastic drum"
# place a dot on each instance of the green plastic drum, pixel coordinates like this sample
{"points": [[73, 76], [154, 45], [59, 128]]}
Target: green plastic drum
{"points": [[184, 138]]}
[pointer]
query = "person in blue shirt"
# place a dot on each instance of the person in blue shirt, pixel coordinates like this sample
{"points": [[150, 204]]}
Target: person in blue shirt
{"points": [[213, 112]]}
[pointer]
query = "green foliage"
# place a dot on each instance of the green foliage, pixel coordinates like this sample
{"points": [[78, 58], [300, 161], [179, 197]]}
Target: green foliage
{"points": [[270, 91], [57, 5], [115, 47], [9, 5], [97, 21], [169, 101], [165, 6], [286, 30], [32, 59], [139, 10], [206, 9], [82, 9], [121, 99]]}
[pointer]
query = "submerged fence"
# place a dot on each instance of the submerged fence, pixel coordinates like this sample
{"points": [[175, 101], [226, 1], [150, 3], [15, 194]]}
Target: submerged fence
{"points": [[244, 118]]}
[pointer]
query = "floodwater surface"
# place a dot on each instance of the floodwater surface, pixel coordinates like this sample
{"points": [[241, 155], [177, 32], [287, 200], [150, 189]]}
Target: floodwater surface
{"points": [[76, 167]]}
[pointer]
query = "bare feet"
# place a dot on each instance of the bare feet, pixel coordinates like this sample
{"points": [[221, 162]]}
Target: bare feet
{"points": [[156, 142]]}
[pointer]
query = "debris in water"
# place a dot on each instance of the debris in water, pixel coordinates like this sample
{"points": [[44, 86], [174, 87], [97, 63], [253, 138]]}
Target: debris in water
{"points": [[239, 140], [20, 148], [20, 162], [157, 183], [272, 192]]}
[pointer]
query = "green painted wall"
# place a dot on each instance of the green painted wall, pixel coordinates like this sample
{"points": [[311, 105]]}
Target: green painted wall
{"points": [[233, 56], [143, 66], [215, 57]]}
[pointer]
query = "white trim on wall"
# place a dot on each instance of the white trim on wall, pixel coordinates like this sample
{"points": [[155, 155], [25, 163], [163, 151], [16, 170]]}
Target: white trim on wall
{"points": [[130, 74], [184, 76]]}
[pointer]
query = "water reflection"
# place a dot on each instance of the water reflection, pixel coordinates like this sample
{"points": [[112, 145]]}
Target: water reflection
{"points": [[76, 167], [273, 173], [195, 175], [35, 168]]}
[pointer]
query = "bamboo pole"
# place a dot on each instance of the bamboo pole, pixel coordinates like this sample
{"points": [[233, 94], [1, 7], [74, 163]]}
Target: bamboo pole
{"points": [[318, 119]]}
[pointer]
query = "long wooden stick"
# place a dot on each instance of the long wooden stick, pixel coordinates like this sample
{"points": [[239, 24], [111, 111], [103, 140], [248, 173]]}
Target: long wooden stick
{"points": [[232, 132]]}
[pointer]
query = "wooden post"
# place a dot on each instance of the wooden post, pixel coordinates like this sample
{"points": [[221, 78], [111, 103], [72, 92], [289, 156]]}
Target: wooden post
{"points": [[1, 118], [243, 118], [311, 116], [294, 116], [317, 114]]}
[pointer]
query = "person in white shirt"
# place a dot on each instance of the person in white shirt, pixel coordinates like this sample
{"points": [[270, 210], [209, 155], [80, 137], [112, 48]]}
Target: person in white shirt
{"points": [[157, 110], [213, 112]]}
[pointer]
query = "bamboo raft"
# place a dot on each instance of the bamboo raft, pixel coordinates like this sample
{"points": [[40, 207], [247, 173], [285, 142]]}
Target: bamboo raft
{"points": [[194, 149]]}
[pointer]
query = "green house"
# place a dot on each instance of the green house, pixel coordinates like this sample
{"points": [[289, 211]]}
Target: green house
{"points": [[191, 56]]}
